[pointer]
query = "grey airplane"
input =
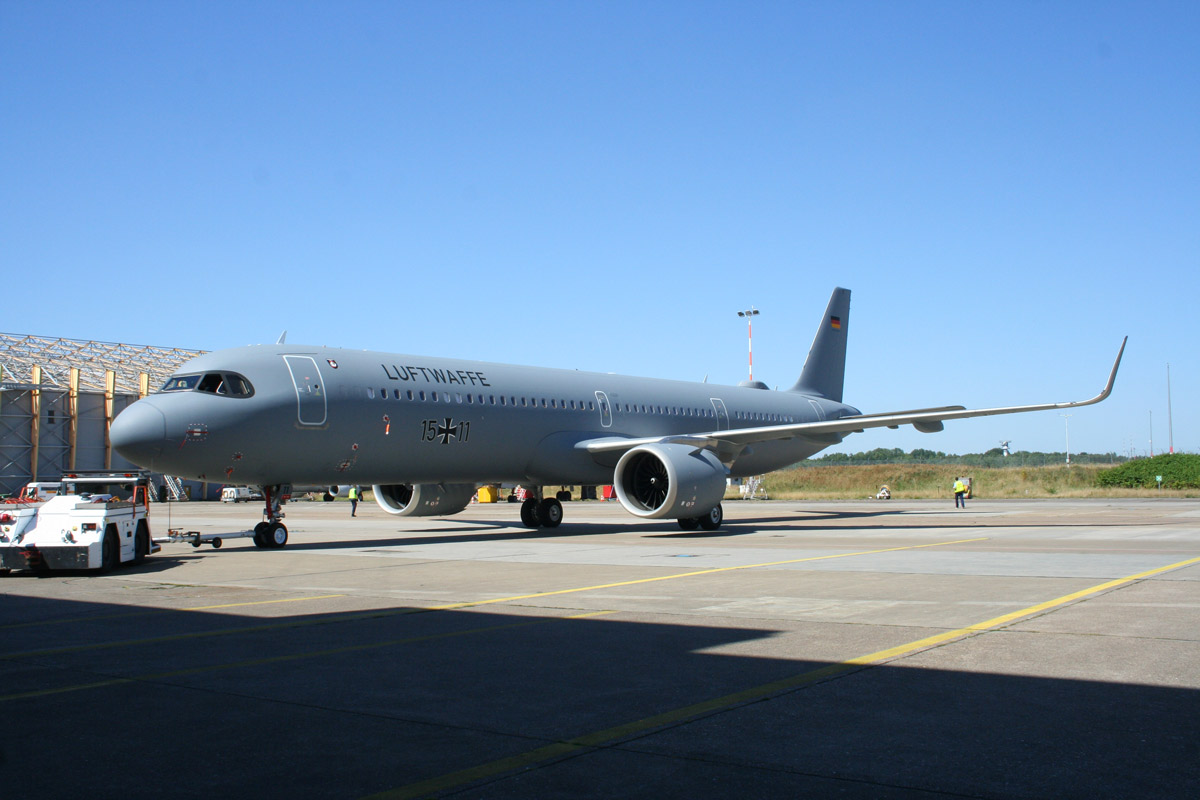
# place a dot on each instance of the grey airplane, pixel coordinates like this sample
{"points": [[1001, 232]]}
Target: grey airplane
{"points": [[426, 432]]}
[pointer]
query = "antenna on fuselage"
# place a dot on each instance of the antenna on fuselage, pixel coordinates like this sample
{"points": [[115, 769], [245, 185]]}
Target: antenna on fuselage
{"points": [[282, 338]]}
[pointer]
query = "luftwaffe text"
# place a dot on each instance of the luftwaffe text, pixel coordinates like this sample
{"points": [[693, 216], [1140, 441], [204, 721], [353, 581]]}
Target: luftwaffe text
{"points": [[434, 375]]}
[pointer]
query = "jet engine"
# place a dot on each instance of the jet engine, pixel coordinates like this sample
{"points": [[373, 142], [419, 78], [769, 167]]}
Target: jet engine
{"points": [[669, 480], [423, 499]]}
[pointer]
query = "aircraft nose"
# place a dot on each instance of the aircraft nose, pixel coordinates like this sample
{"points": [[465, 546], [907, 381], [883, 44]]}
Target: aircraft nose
{"points": [[138, 433]]}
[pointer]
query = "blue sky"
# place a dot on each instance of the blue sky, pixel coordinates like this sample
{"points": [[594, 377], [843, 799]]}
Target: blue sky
{"points": [[1007, 188]]}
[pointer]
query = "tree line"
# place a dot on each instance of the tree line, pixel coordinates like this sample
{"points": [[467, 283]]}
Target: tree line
{"points": [[992, 458]]}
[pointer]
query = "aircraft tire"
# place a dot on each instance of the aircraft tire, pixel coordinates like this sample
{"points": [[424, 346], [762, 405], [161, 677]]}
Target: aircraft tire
{"points": [[259, 534], [529, 514], [550, 513], [713, 519], [688, 523], [276, 535]]}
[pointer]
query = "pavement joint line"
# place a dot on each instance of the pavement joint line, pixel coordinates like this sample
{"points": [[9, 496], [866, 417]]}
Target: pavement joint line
{"points": [[612, 736], [695, 573], [257, 662], [382, 613]]}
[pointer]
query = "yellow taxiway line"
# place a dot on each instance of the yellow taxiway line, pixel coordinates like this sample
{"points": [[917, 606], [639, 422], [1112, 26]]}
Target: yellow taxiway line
{"points": [[610, 736], [452, 606]]}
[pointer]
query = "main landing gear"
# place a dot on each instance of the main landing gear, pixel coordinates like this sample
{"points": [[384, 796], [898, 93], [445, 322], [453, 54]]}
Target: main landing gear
{"points": [[539, 512], [709, 522], [271, 532]]}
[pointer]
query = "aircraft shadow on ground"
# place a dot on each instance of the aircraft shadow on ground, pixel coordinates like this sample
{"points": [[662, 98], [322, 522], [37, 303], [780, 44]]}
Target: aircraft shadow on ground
{"points": [[399, 695]]}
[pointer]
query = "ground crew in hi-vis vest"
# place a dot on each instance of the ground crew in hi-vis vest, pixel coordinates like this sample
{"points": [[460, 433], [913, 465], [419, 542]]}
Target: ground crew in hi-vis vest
{"points": [[960, 493]]}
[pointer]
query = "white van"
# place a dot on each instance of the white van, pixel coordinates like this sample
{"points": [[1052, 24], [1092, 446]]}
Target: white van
{"points": [[236, 494]]}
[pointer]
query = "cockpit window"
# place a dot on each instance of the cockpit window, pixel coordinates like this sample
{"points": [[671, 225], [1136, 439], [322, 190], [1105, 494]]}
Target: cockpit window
{"points": [[228, 384], [214, 383], [181, 383]]}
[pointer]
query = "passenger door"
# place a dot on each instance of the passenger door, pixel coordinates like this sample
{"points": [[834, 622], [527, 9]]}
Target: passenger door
{"points": [[311, 408]]}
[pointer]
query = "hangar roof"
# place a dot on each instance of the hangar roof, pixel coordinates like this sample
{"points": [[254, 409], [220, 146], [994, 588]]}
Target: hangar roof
{"points": [[20, 353]]}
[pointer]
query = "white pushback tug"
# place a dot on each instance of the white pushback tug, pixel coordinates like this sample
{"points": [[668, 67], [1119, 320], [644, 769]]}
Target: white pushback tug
{"points": [[97, 521]]}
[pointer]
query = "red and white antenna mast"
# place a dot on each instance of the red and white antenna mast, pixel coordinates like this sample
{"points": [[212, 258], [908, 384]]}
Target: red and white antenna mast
{"points": [[749, 314]]}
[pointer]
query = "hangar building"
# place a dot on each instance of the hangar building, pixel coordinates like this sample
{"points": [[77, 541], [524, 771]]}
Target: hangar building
{"points": [[58, 398]]}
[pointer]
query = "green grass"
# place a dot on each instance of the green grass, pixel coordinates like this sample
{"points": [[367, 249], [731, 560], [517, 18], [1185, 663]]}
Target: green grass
{"points": [[934, 481]]}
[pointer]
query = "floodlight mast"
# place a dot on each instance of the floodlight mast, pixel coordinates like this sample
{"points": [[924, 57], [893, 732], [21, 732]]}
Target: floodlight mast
{"points": [[749, 314], [1170, 422]]}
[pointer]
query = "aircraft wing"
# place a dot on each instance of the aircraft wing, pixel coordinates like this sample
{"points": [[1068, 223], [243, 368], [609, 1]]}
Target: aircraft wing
{"points": [[927, 420]]}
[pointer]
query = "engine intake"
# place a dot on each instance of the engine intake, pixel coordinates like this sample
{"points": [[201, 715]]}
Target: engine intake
{"points": [[423, 499], [654, 481]]}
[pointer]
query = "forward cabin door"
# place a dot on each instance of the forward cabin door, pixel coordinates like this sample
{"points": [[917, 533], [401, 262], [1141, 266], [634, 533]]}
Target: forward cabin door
{"points": [[311, 408]]}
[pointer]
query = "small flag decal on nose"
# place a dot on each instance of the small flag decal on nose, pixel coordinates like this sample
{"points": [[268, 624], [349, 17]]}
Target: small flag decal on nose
{"points": [[835, 323]]}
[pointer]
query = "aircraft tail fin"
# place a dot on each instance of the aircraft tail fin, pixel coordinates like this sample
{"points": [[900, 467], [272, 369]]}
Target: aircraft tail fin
{"points": [[825, 368]]}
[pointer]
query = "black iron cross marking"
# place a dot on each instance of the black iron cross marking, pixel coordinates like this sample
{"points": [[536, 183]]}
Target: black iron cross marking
{"points": [[448, 430], [435, 431]]}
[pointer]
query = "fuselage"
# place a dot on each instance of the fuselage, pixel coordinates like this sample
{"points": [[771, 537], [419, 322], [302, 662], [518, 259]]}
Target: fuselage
{"points": [[274, 414]]}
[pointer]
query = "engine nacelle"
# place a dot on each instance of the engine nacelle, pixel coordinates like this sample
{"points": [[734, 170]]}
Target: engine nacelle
{"points": [[424, 499], [669, 480]]}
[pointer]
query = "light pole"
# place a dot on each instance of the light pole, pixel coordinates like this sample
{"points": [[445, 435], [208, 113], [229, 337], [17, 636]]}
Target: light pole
{"points": [[749, 314], [1170, 423], [1067, 426]]}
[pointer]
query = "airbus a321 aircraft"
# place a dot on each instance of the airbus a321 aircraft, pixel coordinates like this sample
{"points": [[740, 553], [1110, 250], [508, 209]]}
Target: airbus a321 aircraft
{"points": [[426, 432]]}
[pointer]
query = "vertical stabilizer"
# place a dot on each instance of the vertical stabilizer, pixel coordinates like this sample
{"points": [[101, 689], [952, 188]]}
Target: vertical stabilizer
{"points": [[825, 367]]}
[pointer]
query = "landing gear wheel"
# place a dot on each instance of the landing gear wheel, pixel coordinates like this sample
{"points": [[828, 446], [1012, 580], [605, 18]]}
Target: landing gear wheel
{"points": [[712, 520], [688, 523], [529, 513], [260, 531], [550, 512], [275, 535], [564, 496]]}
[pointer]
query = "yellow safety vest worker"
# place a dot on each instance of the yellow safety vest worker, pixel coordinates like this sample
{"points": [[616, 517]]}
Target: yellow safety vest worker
{"points": [[959, 486]]}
